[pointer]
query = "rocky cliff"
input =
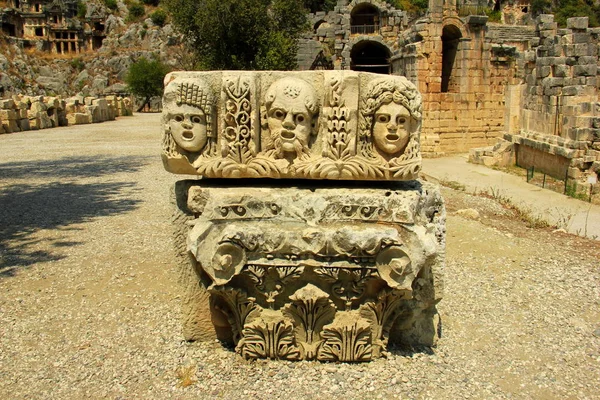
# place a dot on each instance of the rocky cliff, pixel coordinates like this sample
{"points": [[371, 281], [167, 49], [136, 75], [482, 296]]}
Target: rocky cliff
{"points": [[27, 69]]}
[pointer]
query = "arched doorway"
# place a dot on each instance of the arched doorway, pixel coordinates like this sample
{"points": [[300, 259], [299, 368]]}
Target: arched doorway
{"points": [[364, 19], [450, 38], [370, 56]]}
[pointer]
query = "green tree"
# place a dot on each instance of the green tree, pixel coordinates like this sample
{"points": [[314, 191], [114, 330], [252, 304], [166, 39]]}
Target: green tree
{"points": [[564, 9], [319, 5], [145, 79], [240, 34], [159, 17], [81, 9]]}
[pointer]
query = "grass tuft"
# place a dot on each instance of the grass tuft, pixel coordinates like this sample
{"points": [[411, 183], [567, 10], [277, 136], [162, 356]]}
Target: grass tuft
{"points": [[186, 376]]}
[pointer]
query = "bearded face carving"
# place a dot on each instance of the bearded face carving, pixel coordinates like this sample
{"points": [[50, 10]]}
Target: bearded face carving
{"points": [[291, 107]]}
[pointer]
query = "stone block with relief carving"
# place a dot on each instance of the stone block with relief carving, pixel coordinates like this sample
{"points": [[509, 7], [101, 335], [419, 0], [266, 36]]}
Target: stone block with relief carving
{"points": [[338, 257], [337, 125]]}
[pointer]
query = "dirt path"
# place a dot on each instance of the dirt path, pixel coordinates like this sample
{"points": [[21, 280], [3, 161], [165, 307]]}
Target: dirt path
{"points": [[89, 298]]}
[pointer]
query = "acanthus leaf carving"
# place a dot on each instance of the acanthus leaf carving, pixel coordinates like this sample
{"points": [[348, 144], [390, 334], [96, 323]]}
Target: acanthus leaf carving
{"points": [[270, 335], [310, 309], [271, 280], [347, 339], [236, 306], [382, 314], [348, 284]]}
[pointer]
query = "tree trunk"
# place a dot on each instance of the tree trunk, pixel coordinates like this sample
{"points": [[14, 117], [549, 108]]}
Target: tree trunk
{"points": [[147, 101]]}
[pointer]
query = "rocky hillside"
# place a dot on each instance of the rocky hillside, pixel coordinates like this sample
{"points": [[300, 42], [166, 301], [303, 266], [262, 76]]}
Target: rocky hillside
{"points": [[31, 71]]}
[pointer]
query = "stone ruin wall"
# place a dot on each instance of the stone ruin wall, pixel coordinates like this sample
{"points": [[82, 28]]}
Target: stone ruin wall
{"points": [[536, 85], [24, 113], [557, 118], [332, 33], [470, 112]]}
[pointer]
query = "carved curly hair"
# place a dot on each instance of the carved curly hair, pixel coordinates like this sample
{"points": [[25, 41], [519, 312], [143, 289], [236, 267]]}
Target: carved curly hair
{"points": [[383, 91]]}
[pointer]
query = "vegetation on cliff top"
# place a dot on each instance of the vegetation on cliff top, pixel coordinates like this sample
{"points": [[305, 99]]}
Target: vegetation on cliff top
{"points": [[240, 34]]}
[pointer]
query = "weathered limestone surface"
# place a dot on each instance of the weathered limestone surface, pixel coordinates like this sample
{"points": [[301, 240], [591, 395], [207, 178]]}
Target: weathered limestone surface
{"points": [[311, 272], [316, 268], [308, 125]]}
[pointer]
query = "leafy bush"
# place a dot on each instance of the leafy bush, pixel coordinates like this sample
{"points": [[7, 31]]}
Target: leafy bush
{"points": [[409, 5], [576, 8], [493, 15], [136, 11], [78, 64], [81, 9], [319, 5], [159, 17], [151, 2], [111, 4], [540, 7]]}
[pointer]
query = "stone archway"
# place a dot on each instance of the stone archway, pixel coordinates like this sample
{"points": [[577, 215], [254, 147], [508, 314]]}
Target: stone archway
{"points": [[364, 19], [370, 56], [451, 35]]}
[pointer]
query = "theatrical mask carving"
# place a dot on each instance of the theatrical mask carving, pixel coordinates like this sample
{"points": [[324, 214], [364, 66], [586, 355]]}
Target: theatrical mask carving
{"points": [[187, 119], [391, 129], [322, 125], [291, 113], [389, 126]]}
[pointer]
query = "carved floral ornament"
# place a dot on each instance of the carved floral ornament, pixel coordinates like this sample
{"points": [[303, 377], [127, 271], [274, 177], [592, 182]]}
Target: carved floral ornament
{"points": [[309, 293], [310, 125]]}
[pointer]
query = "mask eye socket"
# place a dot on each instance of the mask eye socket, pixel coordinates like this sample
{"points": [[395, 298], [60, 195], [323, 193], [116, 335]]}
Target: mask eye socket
{"points": [[401, 120], [300, 118], [383, 118], [197, 119], [279, 114], [178, 118]]}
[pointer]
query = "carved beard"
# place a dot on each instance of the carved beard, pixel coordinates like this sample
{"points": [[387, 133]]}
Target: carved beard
{"points": [[299, 148]]}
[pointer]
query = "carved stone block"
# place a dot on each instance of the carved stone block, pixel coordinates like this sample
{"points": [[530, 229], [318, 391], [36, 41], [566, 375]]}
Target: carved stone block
{"points": [[337, 125], [303, 267], [320, 271]]}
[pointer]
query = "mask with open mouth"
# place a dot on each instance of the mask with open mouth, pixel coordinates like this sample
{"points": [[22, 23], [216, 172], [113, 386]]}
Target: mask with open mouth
{"points": [[290, 114], [391, 128], [188, 127]]}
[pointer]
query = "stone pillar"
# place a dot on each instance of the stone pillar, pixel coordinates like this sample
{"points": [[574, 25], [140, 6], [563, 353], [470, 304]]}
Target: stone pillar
{"points": [[330, 248]]}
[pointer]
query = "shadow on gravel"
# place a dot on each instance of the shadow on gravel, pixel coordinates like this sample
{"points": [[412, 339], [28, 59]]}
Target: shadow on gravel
{"points": [[72, 167], [28, 207], [25, 209]]}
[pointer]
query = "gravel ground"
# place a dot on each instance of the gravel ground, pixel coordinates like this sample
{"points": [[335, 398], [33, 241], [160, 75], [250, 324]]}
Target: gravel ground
{"points": [[89, 303]]}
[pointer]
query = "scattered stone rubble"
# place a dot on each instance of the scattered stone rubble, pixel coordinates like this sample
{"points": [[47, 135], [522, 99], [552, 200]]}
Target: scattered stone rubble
{"points": [[24, 113]]}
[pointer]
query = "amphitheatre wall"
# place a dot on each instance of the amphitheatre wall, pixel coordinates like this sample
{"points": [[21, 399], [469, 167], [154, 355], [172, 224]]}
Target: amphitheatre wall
{"points": [[534, 85]]}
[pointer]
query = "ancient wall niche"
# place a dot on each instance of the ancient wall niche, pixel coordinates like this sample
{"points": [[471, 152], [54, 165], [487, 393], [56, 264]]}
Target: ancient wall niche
{"points": [[370, 56], [450, 38], [364, 19]]}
